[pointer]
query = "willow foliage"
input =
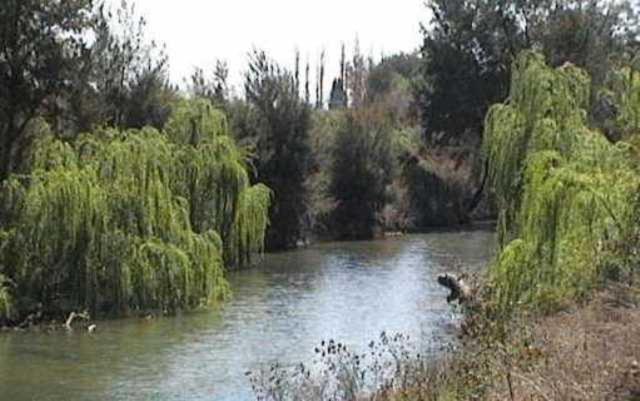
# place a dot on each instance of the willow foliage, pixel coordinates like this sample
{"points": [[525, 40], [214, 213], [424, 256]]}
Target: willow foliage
{"points": [[563, 189], [133, 220], [624, 88]]}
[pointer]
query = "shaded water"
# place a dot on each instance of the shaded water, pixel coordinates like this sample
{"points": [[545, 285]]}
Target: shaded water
{"points": [[279, 312]]}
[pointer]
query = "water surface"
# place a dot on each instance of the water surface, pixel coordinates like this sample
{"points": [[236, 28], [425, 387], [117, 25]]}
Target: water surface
{"points": [[279, 311]]}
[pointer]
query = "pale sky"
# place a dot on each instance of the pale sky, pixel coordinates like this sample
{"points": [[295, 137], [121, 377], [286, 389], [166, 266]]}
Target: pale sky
{"points": [[197, 32]]}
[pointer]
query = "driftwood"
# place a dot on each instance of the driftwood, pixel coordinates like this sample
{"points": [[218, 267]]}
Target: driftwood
{"points": [[460, 291], [73, 316]]}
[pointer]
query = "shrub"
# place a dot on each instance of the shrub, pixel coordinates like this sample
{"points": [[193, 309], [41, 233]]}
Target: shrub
{"points": [[361, 169]]}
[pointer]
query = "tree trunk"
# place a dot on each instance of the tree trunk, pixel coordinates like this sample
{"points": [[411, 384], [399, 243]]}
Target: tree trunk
{"points": [[5, 153], [475, 201]]}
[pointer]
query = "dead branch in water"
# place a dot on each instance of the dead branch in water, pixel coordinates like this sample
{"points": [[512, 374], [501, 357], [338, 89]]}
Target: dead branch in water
{"points": [[460, 291], [73, 315]]}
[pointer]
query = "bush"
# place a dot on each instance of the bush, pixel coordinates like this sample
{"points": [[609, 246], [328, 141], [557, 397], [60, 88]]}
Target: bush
{"points": [[361, 169]]}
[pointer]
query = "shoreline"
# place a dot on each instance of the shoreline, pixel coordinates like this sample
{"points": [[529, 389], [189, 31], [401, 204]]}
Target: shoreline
{"points": [[586, 351]]}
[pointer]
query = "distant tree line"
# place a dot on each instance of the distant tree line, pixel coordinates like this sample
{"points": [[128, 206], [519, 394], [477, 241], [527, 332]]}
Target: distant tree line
{"points": [[329, 161]]}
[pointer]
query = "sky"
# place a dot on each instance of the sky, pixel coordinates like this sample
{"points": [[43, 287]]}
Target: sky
{"points": [[198, 32]]}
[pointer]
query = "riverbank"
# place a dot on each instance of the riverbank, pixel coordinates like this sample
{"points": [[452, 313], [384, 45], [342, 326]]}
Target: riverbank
{"points": [[46, 321], [586, 352], [589, 352]]}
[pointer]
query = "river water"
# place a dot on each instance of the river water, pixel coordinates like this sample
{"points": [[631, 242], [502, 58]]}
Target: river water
{"points": [[279, 311]]}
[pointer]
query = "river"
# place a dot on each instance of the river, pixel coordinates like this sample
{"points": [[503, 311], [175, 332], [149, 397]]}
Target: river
{"points": [[279, 311]]}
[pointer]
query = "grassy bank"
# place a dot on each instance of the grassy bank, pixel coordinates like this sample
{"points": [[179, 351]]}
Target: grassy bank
{"points": [[590, 352]]}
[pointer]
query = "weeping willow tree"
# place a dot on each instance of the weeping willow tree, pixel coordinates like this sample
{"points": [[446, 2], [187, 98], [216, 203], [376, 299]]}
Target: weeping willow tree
{"points": [[624, 89], [120, 221], [215, 181], [564, 190]]}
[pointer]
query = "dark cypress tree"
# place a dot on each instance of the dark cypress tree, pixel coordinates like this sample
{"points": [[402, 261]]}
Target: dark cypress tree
{"points": [[296, 75], [307, 94], [280, 131], [344, 73], [338, 96], [320, 99]]}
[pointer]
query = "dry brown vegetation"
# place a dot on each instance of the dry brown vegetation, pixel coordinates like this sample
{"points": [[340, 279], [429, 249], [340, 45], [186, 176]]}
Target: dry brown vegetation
{"points": [[589, 353]]}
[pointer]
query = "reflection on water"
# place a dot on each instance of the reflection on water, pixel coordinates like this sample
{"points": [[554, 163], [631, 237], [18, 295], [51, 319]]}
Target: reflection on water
{"points": [[279, 311]]}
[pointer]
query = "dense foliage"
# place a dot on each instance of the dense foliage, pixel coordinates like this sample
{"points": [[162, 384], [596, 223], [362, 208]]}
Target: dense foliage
{"points": [[469, 47], [79, 65], [100, 211], [34, 65], [623, 94], [130, 220], [277, 122], [356, 190], [566, 193], [92, 198], [361, 169], [121, 80], [438, 194]]}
